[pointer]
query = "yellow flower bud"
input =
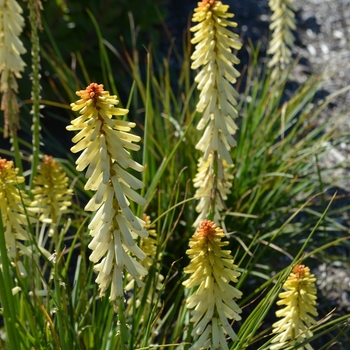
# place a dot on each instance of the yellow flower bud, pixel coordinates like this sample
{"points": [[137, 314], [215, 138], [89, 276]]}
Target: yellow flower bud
{"points": [[300, 301]]}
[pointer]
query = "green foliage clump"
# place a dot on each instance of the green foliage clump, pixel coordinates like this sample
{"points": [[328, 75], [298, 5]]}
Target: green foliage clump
{"points": [[277, 213]]}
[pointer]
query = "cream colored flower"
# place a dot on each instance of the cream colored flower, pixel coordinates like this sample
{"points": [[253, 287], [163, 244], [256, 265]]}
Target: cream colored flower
{"points": [[209, 188], [217, 100], [300, 301], [105, 143], [211, 270], [52, 197], [11, 63], [11, 47], [149, 246], [13, 214], [282, 24]]}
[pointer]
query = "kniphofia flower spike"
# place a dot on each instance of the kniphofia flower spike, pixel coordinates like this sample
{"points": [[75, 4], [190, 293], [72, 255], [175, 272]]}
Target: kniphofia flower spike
{"points": [[211, 270], [105, 142], [282, 41], [52, 197], [11, 63], [297, 315], [149, 246], [15, 213], [217, 100]]}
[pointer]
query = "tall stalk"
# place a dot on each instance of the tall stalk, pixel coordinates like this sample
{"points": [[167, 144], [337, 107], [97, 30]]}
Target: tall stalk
{"points": [[35, 23]]}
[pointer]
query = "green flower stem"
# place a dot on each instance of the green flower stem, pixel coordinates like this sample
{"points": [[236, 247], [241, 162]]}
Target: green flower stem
{"points": [[17, 156], [214, 192], [35, 90], [61, 303], [14, 138], [122, 326]]}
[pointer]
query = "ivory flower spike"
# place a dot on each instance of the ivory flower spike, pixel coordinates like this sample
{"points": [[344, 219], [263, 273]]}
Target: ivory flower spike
{"points": [[211, 270], [114, 228], [11, 63], [13, 214], [217, 101], [149, 246], [300, 301], [52, 197], [282, 24]]}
